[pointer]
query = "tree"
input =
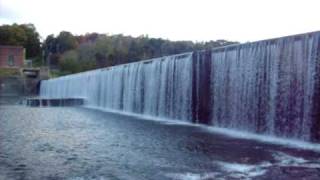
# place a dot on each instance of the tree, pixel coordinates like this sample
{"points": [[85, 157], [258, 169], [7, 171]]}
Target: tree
{"points": [[66, 41], [95, 50], [69, 62], [21, 35], [32, 44]]}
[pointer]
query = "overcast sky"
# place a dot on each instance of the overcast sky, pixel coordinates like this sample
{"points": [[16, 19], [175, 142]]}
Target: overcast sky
{"points": [[196, 20]]}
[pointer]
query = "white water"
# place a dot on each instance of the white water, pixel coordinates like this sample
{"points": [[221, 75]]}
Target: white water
{"points": [[161, 87], [266, 87]]}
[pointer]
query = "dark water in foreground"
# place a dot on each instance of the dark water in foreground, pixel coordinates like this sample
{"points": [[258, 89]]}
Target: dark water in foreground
{"points": [[78, 144]]}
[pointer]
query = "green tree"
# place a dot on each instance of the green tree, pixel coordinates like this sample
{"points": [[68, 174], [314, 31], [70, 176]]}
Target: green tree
{"points": [[12, 35], [66, 41], [21, 35], [32, 43], [93, 50], [69, 62]]}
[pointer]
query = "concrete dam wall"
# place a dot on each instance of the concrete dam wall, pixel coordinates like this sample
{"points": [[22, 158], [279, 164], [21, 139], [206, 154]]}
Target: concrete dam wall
{"points": [[267, 87]]}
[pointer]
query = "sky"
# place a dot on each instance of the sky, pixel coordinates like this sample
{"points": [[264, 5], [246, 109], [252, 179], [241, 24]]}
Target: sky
{"points": [[196, 20]]}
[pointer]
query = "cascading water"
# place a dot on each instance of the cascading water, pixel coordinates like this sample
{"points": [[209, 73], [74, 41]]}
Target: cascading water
{"points": [[160, 87], [266, 87], [269, 87]]}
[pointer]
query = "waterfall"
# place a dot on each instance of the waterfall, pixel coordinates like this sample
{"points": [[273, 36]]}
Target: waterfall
{"points": [[159, 87], [268, 87]]}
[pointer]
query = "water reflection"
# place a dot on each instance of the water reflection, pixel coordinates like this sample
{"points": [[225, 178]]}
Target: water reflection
{"points": [[78, 143]]}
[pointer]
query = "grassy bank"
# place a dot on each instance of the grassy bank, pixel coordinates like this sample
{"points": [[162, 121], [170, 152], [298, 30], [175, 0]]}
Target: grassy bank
{"points": [[6, 72]]}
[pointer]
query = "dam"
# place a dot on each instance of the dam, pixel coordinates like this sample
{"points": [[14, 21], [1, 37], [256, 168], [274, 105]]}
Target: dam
{"points": [[269, 87], [247, 111]]}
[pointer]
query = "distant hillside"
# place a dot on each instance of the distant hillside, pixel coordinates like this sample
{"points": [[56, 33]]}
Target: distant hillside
{"points": [[70, 54]]}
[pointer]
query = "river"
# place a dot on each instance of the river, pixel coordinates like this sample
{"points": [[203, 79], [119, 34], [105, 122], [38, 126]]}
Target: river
{"points": [[76, 143]]}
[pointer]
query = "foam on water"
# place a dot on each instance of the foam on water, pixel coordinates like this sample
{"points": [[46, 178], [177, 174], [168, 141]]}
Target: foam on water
{"points": [[286, 160], [192, 176], [265, 138], [86, 178], [246, 171], [225, 170], [281, 159]]}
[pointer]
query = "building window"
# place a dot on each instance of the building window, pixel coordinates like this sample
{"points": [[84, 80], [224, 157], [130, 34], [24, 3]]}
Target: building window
{"points": [[10, 60]]}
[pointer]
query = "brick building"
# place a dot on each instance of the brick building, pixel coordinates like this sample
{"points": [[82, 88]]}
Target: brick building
{"points": [[11, 56]]}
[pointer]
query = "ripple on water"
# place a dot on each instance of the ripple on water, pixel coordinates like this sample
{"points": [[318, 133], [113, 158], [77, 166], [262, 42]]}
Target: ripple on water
{"points": [[77, 144]]}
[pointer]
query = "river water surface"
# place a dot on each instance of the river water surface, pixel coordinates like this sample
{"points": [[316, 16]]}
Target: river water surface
{"points": [[80, 143]]}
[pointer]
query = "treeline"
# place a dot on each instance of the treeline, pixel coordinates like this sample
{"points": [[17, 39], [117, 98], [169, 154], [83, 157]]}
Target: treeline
{"points": [[68, 53], [72, 54]]}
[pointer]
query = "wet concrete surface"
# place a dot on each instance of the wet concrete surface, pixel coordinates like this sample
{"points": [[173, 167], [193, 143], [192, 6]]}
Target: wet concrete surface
{"points": [[79, 143]]}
